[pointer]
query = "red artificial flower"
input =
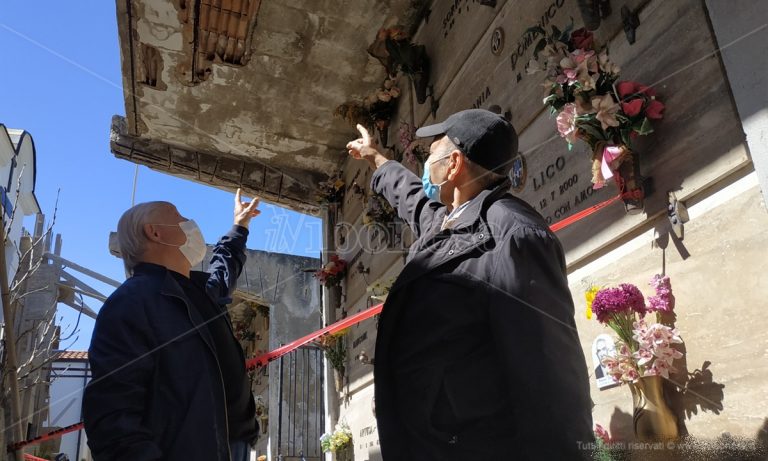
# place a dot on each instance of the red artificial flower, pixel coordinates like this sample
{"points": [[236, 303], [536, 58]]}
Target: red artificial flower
{"points": [[654, 110], [632, 107], [628, 89], [582, 39], [647, 90]]}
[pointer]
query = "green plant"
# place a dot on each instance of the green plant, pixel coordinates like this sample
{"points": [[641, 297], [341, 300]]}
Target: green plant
{"points": [[335, 349]]}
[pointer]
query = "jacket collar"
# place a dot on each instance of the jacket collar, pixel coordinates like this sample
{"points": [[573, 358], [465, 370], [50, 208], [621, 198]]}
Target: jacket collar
{"points": [[473, 212], [468, 232], [197, 277], [170, 287]]}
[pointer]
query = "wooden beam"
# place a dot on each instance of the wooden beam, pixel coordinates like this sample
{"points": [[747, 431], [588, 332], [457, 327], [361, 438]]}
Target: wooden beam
{"points": [[81, 269]]}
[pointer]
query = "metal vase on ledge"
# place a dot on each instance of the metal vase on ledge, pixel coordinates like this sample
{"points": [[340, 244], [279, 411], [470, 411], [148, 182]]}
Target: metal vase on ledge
{"points": [[334, 296], [420, 77], [652, 418], [630, 184], [338, 379]]}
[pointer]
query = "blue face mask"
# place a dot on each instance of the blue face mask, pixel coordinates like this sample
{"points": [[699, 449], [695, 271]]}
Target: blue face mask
{"points": [[431, 190]]}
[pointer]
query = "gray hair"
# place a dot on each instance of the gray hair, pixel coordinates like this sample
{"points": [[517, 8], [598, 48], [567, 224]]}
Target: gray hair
{"points": [[130, 232]]}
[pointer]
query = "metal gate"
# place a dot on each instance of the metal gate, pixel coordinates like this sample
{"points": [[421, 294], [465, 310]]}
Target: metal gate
{"points": [[301, 419]]}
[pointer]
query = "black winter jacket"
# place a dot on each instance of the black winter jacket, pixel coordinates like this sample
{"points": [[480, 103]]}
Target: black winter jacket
{"points": [[477, 353], [157, 391]]}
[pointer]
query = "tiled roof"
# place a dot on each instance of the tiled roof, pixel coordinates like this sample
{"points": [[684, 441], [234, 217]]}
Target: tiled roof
{"points": [[72, 355]]}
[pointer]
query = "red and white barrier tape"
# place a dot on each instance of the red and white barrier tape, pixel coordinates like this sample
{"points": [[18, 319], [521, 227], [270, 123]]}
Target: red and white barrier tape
{"points": [[264, 359], [33, 458], [255, 362]]}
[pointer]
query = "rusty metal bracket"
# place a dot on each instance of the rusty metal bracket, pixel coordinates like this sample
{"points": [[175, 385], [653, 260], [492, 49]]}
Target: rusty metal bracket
{"points": [[434, 104], [605, 8], [631, 22], [677, 213]]}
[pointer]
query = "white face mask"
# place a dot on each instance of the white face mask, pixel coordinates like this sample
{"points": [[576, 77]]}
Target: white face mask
{"points": [[194, 248]]}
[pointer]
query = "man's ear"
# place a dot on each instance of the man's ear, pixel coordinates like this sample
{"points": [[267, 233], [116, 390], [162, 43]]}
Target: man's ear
{"points": [[150, 232], [458, 163]]}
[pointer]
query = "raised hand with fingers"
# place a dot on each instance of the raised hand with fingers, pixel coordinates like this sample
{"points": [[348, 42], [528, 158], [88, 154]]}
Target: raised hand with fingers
{"points": [[363, 148], [244, 211]]}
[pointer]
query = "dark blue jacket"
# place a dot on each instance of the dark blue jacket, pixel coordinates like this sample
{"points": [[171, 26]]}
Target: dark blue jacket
{"points": [[477, 353], [157, 391]]}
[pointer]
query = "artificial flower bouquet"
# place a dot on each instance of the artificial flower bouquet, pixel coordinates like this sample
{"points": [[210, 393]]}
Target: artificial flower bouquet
{"points": [[643, 349], [332, 273], [379, 290], [376, 109], [242, 330], [335, 349], [332, 190], [397, 53], [378, 210], [413, 150], [590, 103], [339, 439]]}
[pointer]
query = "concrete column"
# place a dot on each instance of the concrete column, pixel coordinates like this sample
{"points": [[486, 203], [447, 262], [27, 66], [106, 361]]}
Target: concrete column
{"points": [[329, 317]]}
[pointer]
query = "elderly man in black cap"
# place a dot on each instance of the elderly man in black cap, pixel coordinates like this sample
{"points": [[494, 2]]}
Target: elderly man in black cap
{"points": [[477, 354]]}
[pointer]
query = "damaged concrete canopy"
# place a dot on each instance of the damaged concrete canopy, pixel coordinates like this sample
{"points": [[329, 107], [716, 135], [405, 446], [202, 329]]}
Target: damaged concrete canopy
{"points": [[241, 93]]}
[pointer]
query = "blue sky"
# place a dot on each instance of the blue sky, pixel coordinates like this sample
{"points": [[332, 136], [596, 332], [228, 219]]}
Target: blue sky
{"points": [[61, 81]]}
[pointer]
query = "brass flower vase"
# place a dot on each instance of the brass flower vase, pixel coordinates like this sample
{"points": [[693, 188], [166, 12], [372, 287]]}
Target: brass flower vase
{"points": [[420, 77], [590, 13], [338, 379], [626, 173], [334, 296], [344, 454], [630, 183], [652, 418]]}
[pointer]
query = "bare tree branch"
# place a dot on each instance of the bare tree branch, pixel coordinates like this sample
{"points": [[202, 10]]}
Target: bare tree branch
{"points": [[15, 203]]}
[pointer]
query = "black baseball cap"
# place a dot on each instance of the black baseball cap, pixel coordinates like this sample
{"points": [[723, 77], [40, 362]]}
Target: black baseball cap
{"points": [[487, 139]]}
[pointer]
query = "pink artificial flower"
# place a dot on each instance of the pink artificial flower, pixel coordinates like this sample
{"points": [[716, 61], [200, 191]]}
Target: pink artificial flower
{"points": [[667, 354], [631, 375], [610, 363], [584, 75], [607, 65], [405, 135], [569, 71], [643, 356], [580, 56], [606, 110], [566, 123], [624, 350], [602, 434], [662, 368]]}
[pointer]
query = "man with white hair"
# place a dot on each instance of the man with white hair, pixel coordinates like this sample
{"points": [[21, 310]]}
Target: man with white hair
{"points": [[169, 378]]}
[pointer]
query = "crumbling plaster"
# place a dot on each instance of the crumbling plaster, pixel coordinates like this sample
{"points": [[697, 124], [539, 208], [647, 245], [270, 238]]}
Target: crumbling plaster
{"points": [[304, 60]]}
